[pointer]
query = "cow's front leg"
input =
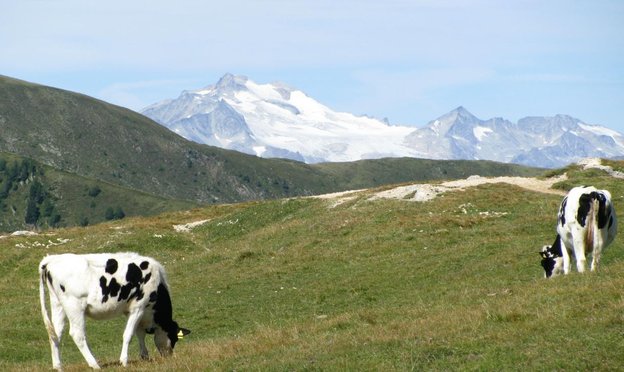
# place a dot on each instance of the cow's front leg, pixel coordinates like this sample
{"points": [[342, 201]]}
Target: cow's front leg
{"points": [[131, 326], [566, 259]]}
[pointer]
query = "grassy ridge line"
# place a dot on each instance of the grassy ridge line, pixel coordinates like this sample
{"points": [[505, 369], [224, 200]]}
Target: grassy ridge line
{"points": [[372, 173], [365, 285]]}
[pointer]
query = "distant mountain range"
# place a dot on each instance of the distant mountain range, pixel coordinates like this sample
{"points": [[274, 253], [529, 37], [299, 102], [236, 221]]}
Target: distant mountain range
{"points": [[275, 120]]}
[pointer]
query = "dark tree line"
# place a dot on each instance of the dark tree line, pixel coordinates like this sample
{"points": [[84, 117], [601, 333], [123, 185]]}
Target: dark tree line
{"points": [[39, 203], [11, 175]]}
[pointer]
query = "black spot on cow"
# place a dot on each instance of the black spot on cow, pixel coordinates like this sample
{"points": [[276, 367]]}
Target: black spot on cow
{"points": [[564, 203], [124, 294], [585, 201], [604, 210], [144, 265], [611, 221], [134, 274], [153, 297], [132, 289], [109, 289], [62, 288], [111, 266]]}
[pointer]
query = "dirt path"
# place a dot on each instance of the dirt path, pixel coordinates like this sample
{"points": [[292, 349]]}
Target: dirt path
{"points": [[424, 192], [427, 191], [597, 163]]}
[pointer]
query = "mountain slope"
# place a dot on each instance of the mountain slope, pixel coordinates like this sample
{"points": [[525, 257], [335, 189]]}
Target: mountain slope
{"points": [[274, 120]]}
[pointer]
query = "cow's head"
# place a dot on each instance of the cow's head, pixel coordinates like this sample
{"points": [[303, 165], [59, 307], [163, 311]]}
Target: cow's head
{"points": [[165, 339], [166, 332], [552, 258]]}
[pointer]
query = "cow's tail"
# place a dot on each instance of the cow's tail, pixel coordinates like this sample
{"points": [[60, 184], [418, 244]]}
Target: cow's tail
{"points": [[43, 274], [592, 228]]}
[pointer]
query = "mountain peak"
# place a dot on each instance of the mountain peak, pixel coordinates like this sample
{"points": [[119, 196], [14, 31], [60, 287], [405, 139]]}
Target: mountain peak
{"points": [[462, 113], [233, 82], [460, 117]]}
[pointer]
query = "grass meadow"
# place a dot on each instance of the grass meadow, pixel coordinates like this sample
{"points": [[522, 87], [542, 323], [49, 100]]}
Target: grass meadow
{"points": [[303, 284]]}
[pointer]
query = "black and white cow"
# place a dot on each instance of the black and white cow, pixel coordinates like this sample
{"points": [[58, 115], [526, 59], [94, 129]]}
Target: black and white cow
{"points": [[104, 286], [587, 225]]}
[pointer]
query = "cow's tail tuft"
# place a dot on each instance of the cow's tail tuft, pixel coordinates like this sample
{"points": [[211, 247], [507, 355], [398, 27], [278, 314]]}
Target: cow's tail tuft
{"points": [[43, 273]]}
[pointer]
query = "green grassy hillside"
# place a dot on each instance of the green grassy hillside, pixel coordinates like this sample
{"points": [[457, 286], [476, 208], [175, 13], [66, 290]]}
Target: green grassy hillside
{"points": [[304, 284], [34, 196]]}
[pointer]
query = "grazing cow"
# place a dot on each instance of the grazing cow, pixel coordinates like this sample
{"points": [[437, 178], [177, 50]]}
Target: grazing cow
{"points": [[586, 225], [104, 286]]}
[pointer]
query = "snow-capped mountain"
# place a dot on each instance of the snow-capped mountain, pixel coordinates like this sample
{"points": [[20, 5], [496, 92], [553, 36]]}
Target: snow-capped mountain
{"points": [[275, 120], [537, 141]]}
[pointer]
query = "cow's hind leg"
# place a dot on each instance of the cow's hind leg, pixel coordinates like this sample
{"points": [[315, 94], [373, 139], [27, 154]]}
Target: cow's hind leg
{"points": [[140, 333], [131, 325], [77, 330], [595, 259], [579, 253], [58, 321]]}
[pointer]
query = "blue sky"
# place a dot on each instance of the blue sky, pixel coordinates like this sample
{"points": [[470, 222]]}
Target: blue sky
{"points": [[408, 60]]}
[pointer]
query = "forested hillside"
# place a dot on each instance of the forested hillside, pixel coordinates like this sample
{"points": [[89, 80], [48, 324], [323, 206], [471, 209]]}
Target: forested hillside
{"points": [[35, 197]]}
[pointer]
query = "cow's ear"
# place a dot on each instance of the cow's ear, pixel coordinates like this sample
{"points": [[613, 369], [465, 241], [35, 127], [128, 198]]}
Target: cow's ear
{"points": [[183, 332]]}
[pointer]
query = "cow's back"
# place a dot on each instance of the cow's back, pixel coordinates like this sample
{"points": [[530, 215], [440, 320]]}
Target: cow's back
{"points": [[110, 284]]}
